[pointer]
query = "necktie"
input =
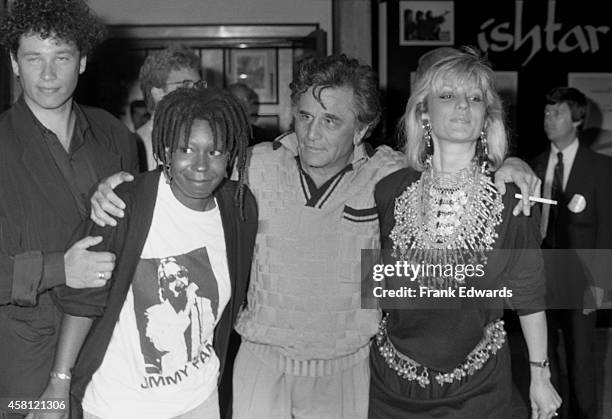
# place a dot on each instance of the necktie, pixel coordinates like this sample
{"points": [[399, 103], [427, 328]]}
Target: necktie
{"points": [[556, 193]]}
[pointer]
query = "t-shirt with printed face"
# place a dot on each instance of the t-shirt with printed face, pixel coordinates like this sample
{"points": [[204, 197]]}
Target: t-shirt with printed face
{"points": [[160, 362]]}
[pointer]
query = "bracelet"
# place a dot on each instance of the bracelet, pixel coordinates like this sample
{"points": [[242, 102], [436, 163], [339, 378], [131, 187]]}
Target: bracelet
{"points": [[540, 364], [60, 375]]}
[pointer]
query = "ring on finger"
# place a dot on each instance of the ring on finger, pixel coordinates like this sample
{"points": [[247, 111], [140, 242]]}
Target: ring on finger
{"points": [[101, 275]]}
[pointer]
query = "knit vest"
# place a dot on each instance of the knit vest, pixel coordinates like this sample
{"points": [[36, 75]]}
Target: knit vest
{"points": [[304, 297]]}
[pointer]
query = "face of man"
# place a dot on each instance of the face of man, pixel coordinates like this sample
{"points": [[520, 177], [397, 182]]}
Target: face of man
{"points": [[197, 168], [251, 107], [184, 77], [327, 132], [48, 71], [140, 116], [558, 124]]}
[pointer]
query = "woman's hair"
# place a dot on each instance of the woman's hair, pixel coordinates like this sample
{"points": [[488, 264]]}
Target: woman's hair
{"points": [[466, 66], [70, 21], [174, 117]]}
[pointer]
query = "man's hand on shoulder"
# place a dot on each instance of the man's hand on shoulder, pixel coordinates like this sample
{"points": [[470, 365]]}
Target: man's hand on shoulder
{"points": [[105, 204], [85, 268], [515, 170]]}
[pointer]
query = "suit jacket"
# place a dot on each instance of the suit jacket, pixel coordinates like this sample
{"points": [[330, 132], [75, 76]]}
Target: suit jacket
{"points": [[38, 215], [569, 271], [38, 211]]}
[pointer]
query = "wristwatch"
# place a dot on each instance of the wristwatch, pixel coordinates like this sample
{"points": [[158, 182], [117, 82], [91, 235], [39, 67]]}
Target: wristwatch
{"points": [[540, 364]]}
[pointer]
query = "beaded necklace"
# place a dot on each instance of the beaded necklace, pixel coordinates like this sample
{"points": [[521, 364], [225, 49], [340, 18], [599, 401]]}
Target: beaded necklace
{"points": [[446, 219]]}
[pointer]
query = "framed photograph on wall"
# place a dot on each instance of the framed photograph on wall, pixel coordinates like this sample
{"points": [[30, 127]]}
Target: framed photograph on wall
{"points": [[597, 87], [597, 129], [426, 23], [257, 68], [506, 83], [268, 121]]}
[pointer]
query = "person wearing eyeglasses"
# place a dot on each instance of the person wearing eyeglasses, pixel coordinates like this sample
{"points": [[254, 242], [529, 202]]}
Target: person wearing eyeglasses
{"points": [[163, 72]]}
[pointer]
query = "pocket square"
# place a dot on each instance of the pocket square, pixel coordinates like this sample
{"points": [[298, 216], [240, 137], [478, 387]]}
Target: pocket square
{"points": [[577, 204]]}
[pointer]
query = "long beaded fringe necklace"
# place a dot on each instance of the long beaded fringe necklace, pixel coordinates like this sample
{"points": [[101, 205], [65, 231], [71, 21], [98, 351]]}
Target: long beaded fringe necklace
{"points": [[446, 219]]}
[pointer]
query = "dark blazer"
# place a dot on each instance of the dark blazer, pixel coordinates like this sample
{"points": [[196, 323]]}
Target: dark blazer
{"points": [[38, 216], [38, 212], [126, 240], [591, 228]]}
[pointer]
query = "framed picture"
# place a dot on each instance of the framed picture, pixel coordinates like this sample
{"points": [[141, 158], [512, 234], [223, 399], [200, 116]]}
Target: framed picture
{"points": [[270, 122], [507, 86], [506, 83], [426, 23], [597, 87], [257, 68], [597, 129]]}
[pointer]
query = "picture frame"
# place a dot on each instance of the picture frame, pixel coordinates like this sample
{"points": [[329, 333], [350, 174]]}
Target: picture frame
{"points": [[506, 83], [426, 23], [596, 131], [597, 87], [266, 121], [257, 68]]}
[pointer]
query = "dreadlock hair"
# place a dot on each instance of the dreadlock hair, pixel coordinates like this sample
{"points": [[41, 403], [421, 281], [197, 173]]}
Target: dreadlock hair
{"points": [[228, 121]]}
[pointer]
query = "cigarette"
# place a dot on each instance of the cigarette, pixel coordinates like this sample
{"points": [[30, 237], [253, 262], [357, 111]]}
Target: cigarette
{"points": [[534, 199]]}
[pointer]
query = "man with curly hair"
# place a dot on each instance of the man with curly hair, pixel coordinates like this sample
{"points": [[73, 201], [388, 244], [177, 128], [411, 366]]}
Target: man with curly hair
{"points": [[161, 73], [52, 152]]}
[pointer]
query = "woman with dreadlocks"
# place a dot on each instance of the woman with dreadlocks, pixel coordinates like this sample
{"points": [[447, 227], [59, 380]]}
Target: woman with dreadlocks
{"points": [[159, 332]]}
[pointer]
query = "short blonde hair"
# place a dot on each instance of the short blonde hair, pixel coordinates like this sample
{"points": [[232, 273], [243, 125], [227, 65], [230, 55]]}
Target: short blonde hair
{"points": [[465, 66]]}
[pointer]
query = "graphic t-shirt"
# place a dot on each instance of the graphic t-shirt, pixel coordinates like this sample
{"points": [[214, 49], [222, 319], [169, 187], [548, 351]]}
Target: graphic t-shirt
{"points": [[160, 362]]}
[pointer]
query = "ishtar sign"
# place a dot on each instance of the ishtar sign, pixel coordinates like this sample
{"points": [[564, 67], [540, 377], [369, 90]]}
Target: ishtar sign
{"points": [[500, 36]]}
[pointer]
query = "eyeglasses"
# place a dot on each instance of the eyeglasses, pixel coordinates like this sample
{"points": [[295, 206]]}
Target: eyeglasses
{"points": [[188, 83]]}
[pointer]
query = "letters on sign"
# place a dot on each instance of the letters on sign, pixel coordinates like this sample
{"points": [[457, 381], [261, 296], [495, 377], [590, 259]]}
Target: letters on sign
{"points": [[500, 37]]}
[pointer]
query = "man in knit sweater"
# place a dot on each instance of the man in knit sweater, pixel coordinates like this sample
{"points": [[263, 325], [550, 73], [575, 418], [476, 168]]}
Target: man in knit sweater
{"points": [[305, 337]]}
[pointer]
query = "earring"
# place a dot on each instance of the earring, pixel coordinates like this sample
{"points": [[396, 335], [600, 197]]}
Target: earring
{"points": [[168, 173], [482, 152], [429, 147]]}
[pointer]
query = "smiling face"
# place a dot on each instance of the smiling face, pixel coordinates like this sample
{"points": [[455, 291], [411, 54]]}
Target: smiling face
{"points": [[456, 112], [48, 71], [198, 168], [328, 131]]}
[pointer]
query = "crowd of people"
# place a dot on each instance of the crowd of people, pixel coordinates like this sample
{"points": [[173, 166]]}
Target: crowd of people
{"points": [[123, 276]]}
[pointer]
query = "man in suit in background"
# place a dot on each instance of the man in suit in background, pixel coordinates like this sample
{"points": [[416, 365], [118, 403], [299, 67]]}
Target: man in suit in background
{"points": [[581, 182]]}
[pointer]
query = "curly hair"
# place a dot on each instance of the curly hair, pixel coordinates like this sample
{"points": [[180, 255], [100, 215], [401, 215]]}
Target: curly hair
{"points": [[228, 121], [158, 65], [338, 71], [460, 67], [70, 21]]}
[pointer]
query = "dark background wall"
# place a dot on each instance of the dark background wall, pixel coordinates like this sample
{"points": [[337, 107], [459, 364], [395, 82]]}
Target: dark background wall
{"points": [[569, 48]]}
